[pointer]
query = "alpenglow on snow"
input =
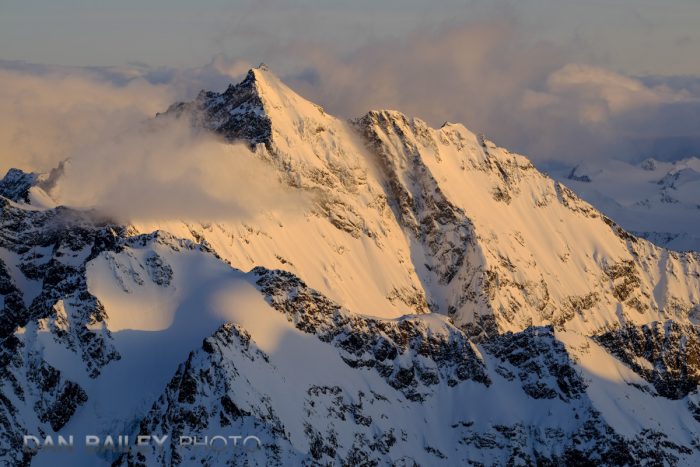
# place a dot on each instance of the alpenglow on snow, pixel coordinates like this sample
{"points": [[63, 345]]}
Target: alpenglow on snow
{"points": [[438, 301]]}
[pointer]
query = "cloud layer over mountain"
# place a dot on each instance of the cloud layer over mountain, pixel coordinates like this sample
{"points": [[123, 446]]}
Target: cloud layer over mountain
{"points": [[120, 159], [548, 102], [552, 103]]}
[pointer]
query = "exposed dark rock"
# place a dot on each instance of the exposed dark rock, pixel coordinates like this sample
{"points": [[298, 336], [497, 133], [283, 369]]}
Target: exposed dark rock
{"points": [[665, 354], [377, 344], [237, 113], [540, 361], [16, 184]]}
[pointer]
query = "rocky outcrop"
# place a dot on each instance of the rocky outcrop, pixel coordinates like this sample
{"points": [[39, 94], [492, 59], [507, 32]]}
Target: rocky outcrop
{"points": [[666, 354], [539, 361], [210, 393], [408, 353], [15, 185], [29, 385], [224, 387]]}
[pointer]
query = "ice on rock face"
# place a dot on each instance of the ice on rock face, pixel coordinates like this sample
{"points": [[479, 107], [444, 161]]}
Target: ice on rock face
{"points": [[439, 301]]}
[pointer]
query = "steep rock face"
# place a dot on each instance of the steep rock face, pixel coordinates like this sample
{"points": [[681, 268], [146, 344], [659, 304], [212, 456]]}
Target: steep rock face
{"points": [[665, 354], [210, 392], [43, 288], [410, 354], [16, 184], [48, 251], [444, 232], [321, 158], [539, 361], [34, 398], [310, 148], [237, 113], [531, 252], [52, 324]]}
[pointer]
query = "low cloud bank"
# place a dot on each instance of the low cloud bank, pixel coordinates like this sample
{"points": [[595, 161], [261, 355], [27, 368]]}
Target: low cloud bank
{"points": [[49, 113], [547, 102], [120, 159], [165, 170]]}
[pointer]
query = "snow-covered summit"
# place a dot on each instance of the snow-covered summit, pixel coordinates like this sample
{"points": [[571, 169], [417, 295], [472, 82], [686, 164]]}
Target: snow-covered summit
{"points": [[254, 110], [438, 301], [30, 187]]}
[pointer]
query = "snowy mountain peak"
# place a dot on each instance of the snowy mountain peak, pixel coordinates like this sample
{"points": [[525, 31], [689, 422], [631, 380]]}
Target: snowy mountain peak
{"points": [[15, 184], [31, 187], [259, 81], [254, 110], [438, 301]]}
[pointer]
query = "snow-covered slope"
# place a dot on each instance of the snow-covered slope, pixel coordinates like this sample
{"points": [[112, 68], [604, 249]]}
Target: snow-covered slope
{"points": [[439, 301], [659, 201], [349, 240], [440, 214], [529, 251]]}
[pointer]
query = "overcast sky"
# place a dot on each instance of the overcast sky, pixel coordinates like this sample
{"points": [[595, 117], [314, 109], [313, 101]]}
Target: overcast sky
{"points": [[557, 80], [632, 36]]}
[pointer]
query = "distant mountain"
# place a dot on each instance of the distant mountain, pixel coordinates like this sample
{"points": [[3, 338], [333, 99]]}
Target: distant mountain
{"points": [[658, 201], [439, 302]]}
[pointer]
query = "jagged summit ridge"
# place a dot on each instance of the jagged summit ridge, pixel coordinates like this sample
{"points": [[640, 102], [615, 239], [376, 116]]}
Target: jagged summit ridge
{"points": [[246, 110], [237, 113], [439, 302], [472, 230]]}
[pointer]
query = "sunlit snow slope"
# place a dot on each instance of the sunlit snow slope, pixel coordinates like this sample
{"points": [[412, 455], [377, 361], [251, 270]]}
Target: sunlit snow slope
{"points": [[436, 300]]}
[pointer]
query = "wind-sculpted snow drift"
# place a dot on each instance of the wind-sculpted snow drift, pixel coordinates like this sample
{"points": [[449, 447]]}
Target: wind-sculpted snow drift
{"points": [[439, 302]]}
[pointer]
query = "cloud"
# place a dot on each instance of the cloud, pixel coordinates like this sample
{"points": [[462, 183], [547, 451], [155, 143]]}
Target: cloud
{"points": [[549, 102], [48, 113], [545, 101], [467, 69], [165, 169], [585, 112], [121, 160]]}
